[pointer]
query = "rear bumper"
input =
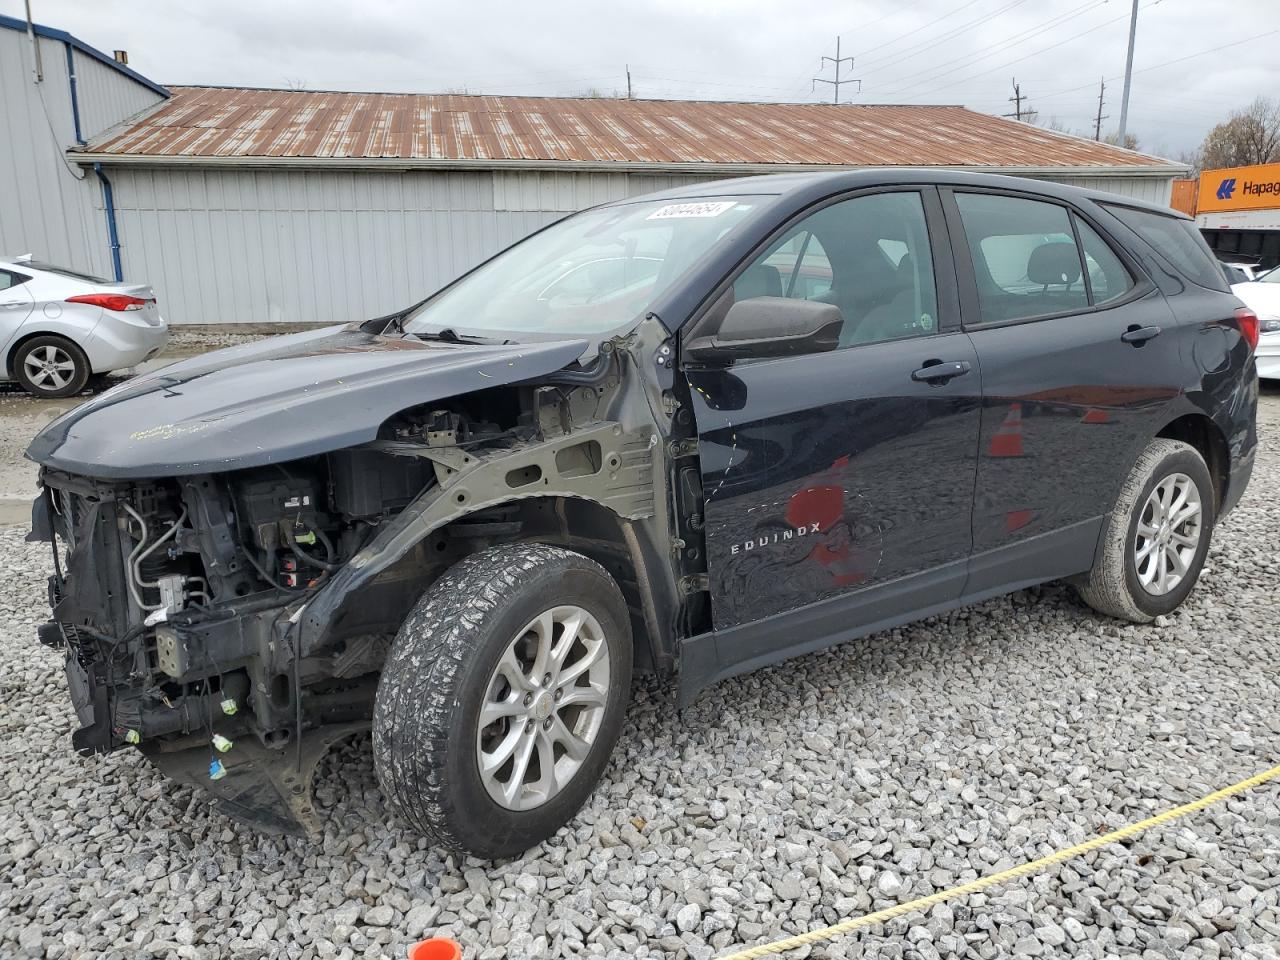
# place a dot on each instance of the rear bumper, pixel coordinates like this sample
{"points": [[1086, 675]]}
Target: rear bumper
{"points": [[116, 343], [1267, 356]]}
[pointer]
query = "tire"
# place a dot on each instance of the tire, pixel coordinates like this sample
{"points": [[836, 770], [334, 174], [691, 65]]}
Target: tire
{"points": [[67, 375], [445, 663], [1115, 586]]}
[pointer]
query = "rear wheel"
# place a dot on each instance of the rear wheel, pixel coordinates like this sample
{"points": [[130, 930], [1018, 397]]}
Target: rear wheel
{"points": [[503, 697], [1156, 538], [51, 366]]}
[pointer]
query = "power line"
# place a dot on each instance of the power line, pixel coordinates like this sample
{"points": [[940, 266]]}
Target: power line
{"points": [[909, 33], [918, 48], [1036, 53], [967, 60], [1170, 63]]}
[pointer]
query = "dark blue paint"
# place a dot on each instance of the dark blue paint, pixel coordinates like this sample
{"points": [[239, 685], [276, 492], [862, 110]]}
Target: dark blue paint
{"points": [[276, 400], [109, 210], [13, 23], [831, 473]]}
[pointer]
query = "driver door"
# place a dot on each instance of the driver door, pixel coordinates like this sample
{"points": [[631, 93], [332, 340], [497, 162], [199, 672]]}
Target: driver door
{"points": [[842, 481]]}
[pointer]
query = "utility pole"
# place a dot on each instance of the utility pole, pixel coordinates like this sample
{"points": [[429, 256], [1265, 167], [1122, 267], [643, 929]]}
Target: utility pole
{"points": [[1128, 75], [837, 60], [1097, 121], [628, 68], [1016, 100]]}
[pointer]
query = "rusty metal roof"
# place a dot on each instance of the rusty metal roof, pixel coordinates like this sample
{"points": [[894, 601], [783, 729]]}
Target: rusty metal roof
{"points": [[226, 123]]}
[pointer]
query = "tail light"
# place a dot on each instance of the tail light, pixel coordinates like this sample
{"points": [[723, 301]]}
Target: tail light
{"points": [[120, 302], [1247, 321]]}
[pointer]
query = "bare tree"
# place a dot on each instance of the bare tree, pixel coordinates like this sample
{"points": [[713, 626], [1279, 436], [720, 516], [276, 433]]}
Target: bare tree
{"points": [[1130, 140], [1193, 159], [1251, 135]]}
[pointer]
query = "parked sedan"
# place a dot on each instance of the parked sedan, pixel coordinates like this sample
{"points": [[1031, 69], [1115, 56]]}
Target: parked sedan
{"points": [[1263, 298], [59, 327]]}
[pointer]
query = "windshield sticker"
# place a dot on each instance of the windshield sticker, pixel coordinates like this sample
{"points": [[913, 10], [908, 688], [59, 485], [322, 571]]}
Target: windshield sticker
{"points": [[680, 211]]}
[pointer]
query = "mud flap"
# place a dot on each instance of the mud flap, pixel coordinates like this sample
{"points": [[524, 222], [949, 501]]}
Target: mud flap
{"points": [[264, 788]]}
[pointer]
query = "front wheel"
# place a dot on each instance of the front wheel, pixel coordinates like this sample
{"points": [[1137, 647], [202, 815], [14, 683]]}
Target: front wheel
{"points": [[503, 697], [1155, 539]]}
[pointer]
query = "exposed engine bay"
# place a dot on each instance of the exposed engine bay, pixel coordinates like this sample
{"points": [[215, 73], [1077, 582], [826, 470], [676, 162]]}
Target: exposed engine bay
{"points": [[233, 625]]}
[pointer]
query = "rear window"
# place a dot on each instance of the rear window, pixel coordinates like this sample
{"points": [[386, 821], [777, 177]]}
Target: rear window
{"points": [[63, 271], [1179, 242], [8, 279]]}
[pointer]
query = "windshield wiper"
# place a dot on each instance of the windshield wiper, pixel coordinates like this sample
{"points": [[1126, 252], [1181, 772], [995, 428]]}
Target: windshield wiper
{"points": [[449, 335]]}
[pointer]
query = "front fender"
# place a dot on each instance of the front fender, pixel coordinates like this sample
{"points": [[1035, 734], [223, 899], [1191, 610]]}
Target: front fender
{"points": [[622, 483]]}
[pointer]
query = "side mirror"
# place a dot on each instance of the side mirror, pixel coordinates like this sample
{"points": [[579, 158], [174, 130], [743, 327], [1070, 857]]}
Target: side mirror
{"points": [[769, 327]]}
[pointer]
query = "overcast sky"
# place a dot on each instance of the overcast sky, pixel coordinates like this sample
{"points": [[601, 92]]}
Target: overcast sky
{"points": [[906, 51]]}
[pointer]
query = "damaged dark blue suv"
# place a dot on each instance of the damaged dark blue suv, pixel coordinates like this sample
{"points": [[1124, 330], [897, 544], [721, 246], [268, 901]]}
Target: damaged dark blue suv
{"points": [[690, 434]]}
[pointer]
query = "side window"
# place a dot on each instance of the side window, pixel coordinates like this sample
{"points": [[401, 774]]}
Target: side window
{"points": [[1109, 278], [6, 280], [869, 256], [1178, 241], [1025, 258]]}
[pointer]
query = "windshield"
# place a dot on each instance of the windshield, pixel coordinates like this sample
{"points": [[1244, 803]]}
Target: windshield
{"points": [[587, 274], [1271, 277]]}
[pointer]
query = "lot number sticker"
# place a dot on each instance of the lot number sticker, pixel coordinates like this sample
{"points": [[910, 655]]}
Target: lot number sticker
{"points": [[681, 211]]}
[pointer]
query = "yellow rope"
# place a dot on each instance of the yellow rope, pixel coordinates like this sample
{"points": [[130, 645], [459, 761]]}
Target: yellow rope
{"points": [[982, 883]]}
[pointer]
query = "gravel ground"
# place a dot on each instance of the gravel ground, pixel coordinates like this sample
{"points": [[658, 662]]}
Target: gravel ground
{"points": [[836, 784]]}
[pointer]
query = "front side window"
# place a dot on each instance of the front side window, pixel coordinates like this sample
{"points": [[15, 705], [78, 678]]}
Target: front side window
{"points": [[1178, 241], [869, 256], [586, 275], [1025, 259]]}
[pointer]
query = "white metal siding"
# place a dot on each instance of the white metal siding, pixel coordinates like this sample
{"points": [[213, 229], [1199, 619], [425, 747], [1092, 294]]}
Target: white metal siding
{"points": [[269, 246], [46, 207], [249, 246], [107, 96], [1152, 189]]}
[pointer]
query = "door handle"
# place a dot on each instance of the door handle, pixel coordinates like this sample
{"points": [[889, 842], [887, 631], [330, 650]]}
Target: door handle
{"points": [[1137, 335], [937, 371], [13, 303]]}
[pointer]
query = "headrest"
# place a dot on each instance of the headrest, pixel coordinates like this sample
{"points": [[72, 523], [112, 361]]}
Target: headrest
{"points": [[1054, 263], [761, 280]]}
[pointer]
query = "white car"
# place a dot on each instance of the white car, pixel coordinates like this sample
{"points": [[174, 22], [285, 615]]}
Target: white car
{"points": [[1241, 272], [1263, 298], [59, 327]]}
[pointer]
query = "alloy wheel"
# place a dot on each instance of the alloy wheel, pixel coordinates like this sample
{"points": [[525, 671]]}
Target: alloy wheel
{"points": [[49, 367], [544, 706], [1168, 535]]}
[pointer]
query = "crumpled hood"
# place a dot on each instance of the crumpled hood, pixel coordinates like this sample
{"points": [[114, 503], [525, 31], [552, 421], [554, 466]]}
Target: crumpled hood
{"points": [[276, 400]]}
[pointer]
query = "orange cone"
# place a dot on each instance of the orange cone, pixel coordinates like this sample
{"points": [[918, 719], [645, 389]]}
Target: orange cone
{"points": [[1007, 441], [436, 948]]}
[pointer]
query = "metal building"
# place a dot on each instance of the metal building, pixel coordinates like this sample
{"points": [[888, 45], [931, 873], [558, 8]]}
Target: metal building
{"points": [[258, 206], [55, 94]]}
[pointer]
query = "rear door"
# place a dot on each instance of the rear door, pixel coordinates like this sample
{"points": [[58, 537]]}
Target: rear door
{"points": [[844, 476], [15, 305], [1080, 357]]}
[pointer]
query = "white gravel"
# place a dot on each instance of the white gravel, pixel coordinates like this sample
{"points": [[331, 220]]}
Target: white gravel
{"points": [[785, 800]]}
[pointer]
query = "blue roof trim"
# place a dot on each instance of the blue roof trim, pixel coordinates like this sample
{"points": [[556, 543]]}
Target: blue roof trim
{"points": [[13, 23]]}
